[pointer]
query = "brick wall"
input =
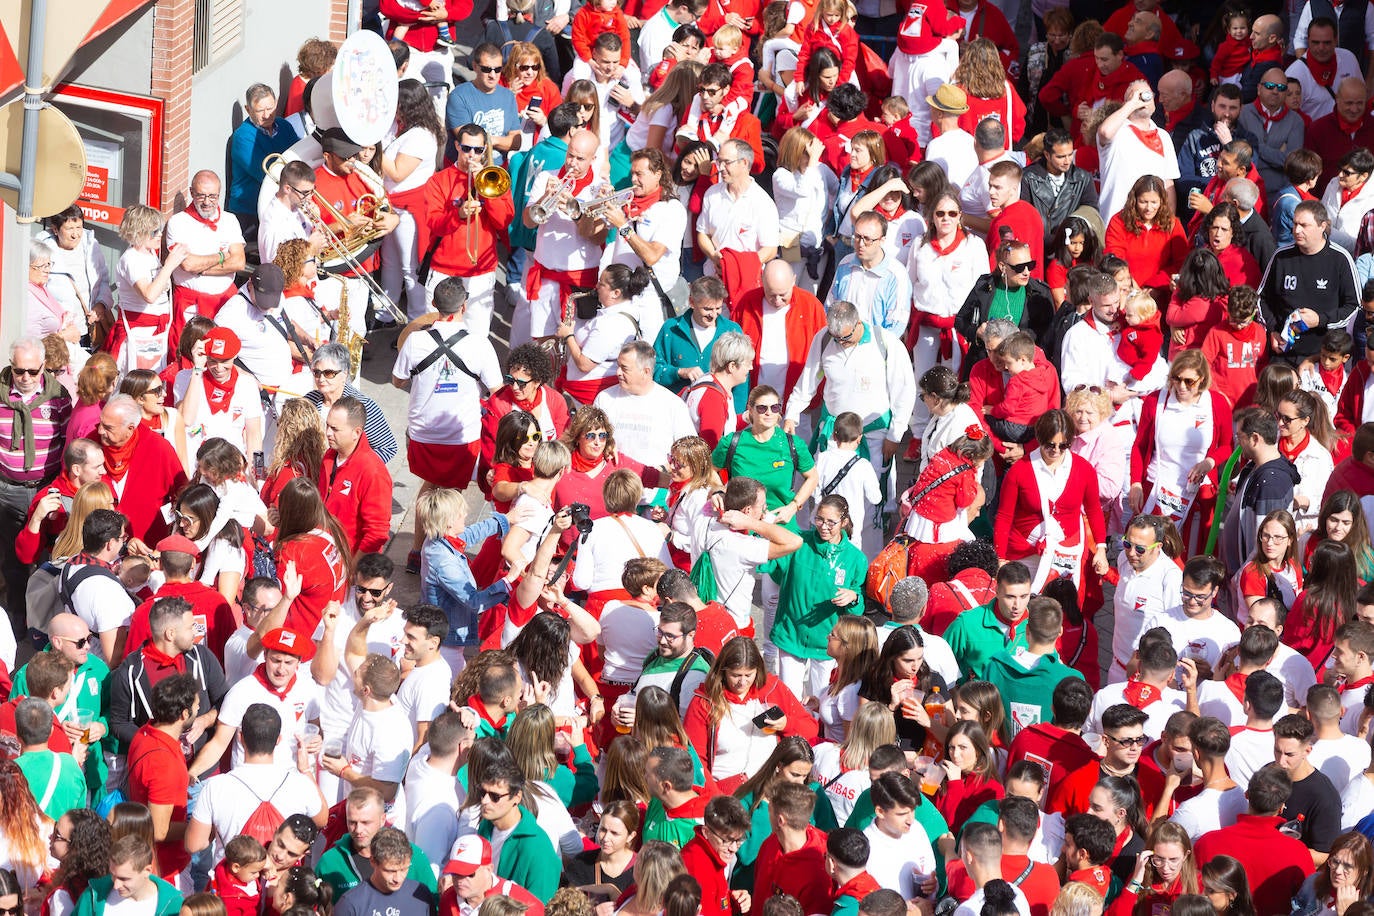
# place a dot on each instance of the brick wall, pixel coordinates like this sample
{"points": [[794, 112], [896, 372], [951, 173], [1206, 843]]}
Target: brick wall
{"points": [[173, 27], [338, 20]]}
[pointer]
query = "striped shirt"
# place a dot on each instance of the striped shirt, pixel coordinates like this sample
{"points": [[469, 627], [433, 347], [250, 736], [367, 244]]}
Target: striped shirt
{"points": [[375, 427], [49, 437]]}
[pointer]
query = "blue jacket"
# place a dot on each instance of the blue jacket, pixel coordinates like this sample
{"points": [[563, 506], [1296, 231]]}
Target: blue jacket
{"points": [[676, 348], [1281, 215], [446, 580], [247, 148]]}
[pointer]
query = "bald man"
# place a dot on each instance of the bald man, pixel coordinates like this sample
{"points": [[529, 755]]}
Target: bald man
{"points": [[1276, 128], [205, 280], [780, 319], [1128, 154], [1266, 50], [567, 253], [1181, 112], [1346, 128]]}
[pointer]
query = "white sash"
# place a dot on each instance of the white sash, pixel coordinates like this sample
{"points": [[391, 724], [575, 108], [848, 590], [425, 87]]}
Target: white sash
{"points": [[1174, 498]]}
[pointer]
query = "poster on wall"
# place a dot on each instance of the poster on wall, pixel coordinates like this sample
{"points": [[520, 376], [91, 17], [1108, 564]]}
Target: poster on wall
{"points": [[122, 134]]}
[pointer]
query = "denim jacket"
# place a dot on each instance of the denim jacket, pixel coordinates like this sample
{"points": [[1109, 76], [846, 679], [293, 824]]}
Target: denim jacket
{"points": [[446, 581]]}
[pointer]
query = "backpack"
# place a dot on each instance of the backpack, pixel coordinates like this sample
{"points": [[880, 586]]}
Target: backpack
{"points": [[262, 824], [675, 688], [734, 444], [887, 569], [50, 590], [263, 562]]}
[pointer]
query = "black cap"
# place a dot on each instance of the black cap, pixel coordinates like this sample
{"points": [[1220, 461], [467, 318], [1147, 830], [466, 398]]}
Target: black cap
{"points": [[268, 282], [334, 140]]}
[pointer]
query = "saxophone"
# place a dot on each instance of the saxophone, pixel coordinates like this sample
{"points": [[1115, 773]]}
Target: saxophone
{"points": [[343, 333]]}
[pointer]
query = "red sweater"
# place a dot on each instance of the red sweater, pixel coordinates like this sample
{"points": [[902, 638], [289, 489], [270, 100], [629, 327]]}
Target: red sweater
{"points": [[1232, 56], [1154, 255], [1195, 317], [716, 11], [1009, 109], [357, 492], [1275, 865], [805, 319], [799, 874], [1140, 346], [959, 798], [1303, 633], [987, 386], [1055, 749], [237, 897], [1019, 510], [844, 41], [1073, 791], [705, 864], [697, 722], [1350, 405], [1028, 395], [924, 24], [445, 192], [502, 402], [589, 22], [30, 544], [1240, 265], [1234, 357], [1040, 884], [154, 478], [58, 742], [1018, 220], [1328, 138], [324, 576], [1144, 449], [212, 617]]}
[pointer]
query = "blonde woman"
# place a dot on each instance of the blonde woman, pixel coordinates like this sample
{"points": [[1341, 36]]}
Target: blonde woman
{"points": [[446, 580], [524, 75], [689, 495], [299, 448], [853, 645], [843, 768], [1104, 445], [94, 495], [664, 110], [554, 785], [94, 383], [144, 291], [1077, 899], [657, 864]]}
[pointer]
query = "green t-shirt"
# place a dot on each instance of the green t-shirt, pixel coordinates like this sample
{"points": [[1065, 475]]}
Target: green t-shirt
{"points": [[770, 463], [978, 634], [676, 830], [807, 582], [57, 777]]}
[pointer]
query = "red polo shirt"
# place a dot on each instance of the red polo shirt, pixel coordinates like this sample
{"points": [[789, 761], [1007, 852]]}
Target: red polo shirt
{"points": [[158, 776]]}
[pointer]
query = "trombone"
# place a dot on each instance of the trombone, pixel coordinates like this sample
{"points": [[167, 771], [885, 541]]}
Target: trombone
{"points": [[345, 248], [488, 182]]}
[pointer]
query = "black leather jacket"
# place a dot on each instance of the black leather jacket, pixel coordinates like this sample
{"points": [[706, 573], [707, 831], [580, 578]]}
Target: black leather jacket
{"points": [[1036, 317], [1078, 191]]}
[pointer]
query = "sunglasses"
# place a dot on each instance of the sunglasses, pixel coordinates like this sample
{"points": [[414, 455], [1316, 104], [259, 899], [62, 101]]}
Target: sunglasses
{"points": [[325, 373], [475, 150], [1128, 742], [769, 408], [517, 382], [482, 69], [535, 436], [374, 592], [158, 390], [1275, 87], [488, 795], [1023, 267], [844, 338], [1140, 549], [1186, 382], [1053, 446], [947, 214], [534, 67], [601, 436], [1348, 171], [32, 373], [86, 640]]}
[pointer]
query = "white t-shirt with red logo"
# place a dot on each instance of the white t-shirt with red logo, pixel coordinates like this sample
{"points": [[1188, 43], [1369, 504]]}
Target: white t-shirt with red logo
{"points": [[300, 705]]}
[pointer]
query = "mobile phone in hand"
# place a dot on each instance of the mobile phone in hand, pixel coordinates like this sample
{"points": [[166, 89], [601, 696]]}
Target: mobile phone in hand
{"points": [[771, 714]]}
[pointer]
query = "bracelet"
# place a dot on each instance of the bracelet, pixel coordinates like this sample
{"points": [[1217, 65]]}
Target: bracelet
{"points": [[596, 696], [221, 258]]}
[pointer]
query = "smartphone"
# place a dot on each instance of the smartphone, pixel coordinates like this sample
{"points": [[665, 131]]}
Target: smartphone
{"points": [[535, 102], [770, 714]]}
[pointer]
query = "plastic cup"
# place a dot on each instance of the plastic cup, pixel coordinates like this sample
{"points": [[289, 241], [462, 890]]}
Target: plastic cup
{"points": [[333, 748], [82, 719], [931, 778]]}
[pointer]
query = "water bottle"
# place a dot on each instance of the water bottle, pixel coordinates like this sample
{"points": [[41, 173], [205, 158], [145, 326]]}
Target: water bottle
{"points": [[1293, 828]]}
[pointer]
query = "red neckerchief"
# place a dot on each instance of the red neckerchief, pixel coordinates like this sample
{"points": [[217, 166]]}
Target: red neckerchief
{"points": [[1350, 128], [1362, 682], [856, 178], [579, 184], [458, 543], [532, 403], [1172, 119], [218, 395], [1140, 694], [709, 124], [584, 465], [154, 423], [1151, 139], [1303, 195], [1348, 194], [1324, 77], [1334, 381], [195, 215], [1292, 452], [260, 673], [942, 250], [1235, 682], [477, 706], [637, 205], [152, 653], [1264, 115], [302, 289], [894, 213], [117, 458]]}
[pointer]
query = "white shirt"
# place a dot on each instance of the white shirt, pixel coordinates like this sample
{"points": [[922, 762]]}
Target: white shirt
{"points": [[1127, 158], [748, 222], [385, 638], [102, 604], [859, 486], [837, 710], [613, 127], [228, 800], [840, 787], [954, 151], [601, 338], [1357, 801], [1293, 668], [1195, 637], [664, 223], [1250, 750], [78, 274], [1210, 809], [432, 813], [800, 199], [1215, 699], [881, 292], [445, 402], [200, 239], [893, 861], [973, 195], [301, 705], [557, 243], [646, 425], [857, 379], [139, 266], [654, 38], [1088, 356], [1139, 597], [1317, 100], [424, 692], [628, 637], [378, 745], [613, 541], [1340, 758], [419, 143], [278, 223], [735, 556], [237, 664], [266, 352]]}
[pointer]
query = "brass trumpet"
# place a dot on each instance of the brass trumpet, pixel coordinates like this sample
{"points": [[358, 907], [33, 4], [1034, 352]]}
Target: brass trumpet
{"points": [[596, 208], [491, 181], [552, 201]]}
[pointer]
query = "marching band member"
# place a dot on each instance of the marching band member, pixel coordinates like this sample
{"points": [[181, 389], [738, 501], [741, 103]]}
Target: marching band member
{"points": [[466, 226], [214, 246], [290, 213]]}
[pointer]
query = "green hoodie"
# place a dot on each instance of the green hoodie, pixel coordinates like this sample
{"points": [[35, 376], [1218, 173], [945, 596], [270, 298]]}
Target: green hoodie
{"points": [[1026, 692], [88, 685], [96, 895], [338, 869], [527, 857]]}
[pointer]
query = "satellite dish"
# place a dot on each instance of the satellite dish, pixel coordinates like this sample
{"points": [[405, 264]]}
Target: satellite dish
{"points": [[61, 173]]}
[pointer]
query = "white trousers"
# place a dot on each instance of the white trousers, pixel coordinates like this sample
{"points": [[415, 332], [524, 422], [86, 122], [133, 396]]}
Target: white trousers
{"points": [[401, 266], [805, 677], [541, 318]]}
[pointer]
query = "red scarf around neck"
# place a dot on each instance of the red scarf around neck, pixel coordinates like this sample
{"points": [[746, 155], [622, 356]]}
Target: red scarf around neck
{"points": [[1293, 451], [1150, 139], [1140, 694], [1334, 381], [579, 184], [893, 214], [532, 403], [857, 178], [638, 205], [943, 250], [1268, 121], [1349, 194], [195, 215], [1323, 74], [583, 465], [260, 672], [219, 394], [156, 656], [117, 458], [458, 543], [1235, 682]]}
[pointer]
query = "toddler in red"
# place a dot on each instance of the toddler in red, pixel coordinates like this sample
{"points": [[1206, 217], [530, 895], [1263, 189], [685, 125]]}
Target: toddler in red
{"points": [[728, 50], [1233, 54], [1031, 390], [1142, 339], [831, 29], [236, 878], [599, 16], [1233, 348]]}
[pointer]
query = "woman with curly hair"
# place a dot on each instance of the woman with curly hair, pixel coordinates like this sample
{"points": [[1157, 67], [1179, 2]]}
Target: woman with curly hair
{"points": [[148, 391], [406, 164], [721, 719], [990, 94], [24, 830], [94, 385], [312, 539], [1148, 235], [298, 451], [80, 842], [300, 268], [528, 387], [689, 495]]}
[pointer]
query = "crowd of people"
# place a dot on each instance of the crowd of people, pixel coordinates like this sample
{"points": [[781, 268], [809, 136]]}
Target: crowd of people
{"points": [[687, 287]]}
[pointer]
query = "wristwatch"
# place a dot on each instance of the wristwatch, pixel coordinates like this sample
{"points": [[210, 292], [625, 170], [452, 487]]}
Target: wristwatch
{"points": [[627, 230]]}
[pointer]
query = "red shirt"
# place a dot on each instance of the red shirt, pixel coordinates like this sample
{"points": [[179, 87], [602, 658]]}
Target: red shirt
{"points": [[155, 475], [1021, 221], [343, 193], [1233, 357], [57, 738], [212, 617], [959, 798], [1020, 510], [1154, 255], [357, 492], [799, 874], [324, 575], [1072, 795], [158, 776], [589, 22], [1007, 108], [1275, 865], [1232, 56], [705, 864], [715, 627], [1058, 751], [902, 145]]}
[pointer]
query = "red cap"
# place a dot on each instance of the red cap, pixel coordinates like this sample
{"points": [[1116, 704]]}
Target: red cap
{"points": [[291, 642], [178, 543], [222, 343], [470, 853]]}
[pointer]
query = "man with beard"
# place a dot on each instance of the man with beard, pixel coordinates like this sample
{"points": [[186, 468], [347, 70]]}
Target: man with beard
{"points": [[214, 246], [158, 776]]}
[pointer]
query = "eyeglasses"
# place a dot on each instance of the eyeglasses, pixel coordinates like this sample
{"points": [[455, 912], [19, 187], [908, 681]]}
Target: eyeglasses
{"points": [[1336, 864], [195, 196], [46, 265], [734, 841], [711, 90], [1192, 382], [1165, 862], [482, 69], [1053, 446], [517, 382], [948, 214], [599, 436], [488, 795], [1139, 741], [670, 637], [826, 522], [32, 373], [1275, 87], [475, 150], [374, 592], [866, 240], [312, 260], [1193, 597], [1274, 538], [1140, 549], [1022, 268], [325, 373], [303, 192], [769, 408], [589, 106], [725, 163]]}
